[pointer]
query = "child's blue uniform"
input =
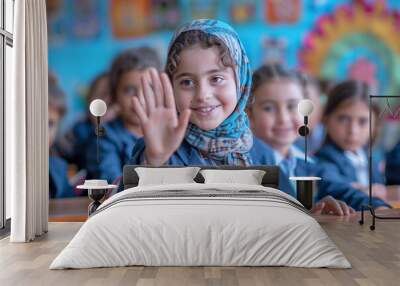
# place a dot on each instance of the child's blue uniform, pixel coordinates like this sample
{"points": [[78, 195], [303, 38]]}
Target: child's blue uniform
{"points": [[115, 149], [74, 144], [289, 168], [352, 168], [187, 155], [393, 166], [58, 181], [262, 154]]}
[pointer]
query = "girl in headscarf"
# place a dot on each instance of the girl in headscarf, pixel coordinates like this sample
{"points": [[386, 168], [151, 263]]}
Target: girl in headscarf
{"points": [[200, 119], [210, 75]]}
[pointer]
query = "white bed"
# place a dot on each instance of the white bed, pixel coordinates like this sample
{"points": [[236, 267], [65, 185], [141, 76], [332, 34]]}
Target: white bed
{"points": [[201, 224]]}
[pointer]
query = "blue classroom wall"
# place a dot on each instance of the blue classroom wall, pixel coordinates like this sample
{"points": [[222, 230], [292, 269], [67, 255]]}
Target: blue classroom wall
{"points": [[77, 60]]}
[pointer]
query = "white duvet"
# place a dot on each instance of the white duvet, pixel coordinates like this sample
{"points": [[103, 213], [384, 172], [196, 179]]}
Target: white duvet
{"points": [[200, 224]]}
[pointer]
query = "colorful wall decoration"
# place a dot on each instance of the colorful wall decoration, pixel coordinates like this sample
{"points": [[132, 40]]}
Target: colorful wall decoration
{"points": [[199, 9], [165, 14], [282, 11], [86, 23], [130, 18], [243, 11], [274, 50], [57, 27], [358, 40]]}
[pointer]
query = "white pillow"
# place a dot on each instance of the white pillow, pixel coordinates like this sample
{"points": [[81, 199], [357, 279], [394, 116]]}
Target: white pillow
{"points": [[249, 177], [163, 176]]}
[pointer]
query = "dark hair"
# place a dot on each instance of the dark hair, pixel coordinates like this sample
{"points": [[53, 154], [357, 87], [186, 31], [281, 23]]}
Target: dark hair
{"points": [[308, 80], [93, 85], [56, 95], [131, 59], [348, 90], [191, 38], [271, 72]]}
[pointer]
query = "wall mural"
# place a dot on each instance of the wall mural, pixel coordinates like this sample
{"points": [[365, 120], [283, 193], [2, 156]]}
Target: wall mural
{"points": [[243, 11], [130, 18], [278, 11], [356, 41]]}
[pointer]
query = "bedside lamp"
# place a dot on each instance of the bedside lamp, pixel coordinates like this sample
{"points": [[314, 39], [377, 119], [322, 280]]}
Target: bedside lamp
{"points": [[305, 185], [98, 108], [97, 189]]}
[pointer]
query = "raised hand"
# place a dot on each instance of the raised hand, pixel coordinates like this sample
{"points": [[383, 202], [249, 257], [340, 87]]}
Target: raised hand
{"points": [[163, 130]]}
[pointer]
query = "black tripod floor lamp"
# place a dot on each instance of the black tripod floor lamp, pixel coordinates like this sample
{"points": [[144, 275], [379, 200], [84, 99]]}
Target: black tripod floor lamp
{"points": [[369, 206]]}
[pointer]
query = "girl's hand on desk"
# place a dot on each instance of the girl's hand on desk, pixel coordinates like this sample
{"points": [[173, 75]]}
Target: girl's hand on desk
{"points": [[329, 205], [163, 130]]}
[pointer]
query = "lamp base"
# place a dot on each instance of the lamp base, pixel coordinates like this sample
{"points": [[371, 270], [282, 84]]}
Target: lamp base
{"points": [[305, 190], [374, 216], [96, 195]]}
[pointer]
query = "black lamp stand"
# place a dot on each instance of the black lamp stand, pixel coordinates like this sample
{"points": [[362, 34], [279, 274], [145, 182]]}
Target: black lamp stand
{"points": [[100, 131], [304, 131], [305, 185], [369, 206], [96, 195]]}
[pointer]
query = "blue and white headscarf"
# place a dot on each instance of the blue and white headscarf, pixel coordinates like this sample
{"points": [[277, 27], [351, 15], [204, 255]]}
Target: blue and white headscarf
{"points": [[231, 141]]}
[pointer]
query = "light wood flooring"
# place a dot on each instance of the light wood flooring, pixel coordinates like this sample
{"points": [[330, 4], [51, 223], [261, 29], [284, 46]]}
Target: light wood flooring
{"points": [[374, 255]]}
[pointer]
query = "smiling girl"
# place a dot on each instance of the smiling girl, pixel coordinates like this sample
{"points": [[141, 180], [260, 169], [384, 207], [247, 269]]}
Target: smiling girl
{"points": [[207, 82], [275, 119]]}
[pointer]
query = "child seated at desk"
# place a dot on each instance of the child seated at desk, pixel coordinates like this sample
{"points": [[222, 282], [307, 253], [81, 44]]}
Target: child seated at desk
{"points": [[115, 147], [73, 146], [346, 117], [275, 119], [59, 186]]}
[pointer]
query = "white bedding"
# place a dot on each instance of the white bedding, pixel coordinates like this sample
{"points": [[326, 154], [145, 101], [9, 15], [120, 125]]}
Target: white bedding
{"points": [[200, 224]]}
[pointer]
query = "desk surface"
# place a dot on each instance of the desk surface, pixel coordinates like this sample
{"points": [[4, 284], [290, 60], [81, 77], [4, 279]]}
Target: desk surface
{"points": [[68, 209]]}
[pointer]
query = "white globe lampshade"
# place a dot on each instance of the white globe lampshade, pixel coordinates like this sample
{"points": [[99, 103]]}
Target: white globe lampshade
{"points": [[98, 107], [305, 107]]}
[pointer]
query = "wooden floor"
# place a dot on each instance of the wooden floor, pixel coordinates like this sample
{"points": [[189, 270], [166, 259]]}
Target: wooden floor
{"points": [[374, 255]]}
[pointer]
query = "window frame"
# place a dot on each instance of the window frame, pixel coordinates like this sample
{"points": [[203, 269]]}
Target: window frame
{"points": [[6, 39]]}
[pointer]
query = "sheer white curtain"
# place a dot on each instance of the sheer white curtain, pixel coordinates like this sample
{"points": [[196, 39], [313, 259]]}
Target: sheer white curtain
{"points": [[27, 123]]}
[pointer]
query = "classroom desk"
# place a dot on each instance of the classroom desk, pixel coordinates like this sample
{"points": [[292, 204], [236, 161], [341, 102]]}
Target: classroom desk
{"points": [[68, 209], [75, 209]]}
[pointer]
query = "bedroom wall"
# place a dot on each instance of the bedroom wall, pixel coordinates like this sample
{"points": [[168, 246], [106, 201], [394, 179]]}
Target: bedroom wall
{"points": [[85, 35]]}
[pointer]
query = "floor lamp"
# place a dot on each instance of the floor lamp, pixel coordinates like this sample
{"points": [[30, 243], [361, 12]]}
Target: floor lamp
{"points": [[305, 185], [369, 206], [97, 189]]}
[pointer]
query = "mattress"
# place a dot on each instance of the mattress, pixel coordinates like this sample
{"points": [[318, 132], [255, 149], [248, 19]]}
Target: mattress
{"points": [[201, 225]]}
